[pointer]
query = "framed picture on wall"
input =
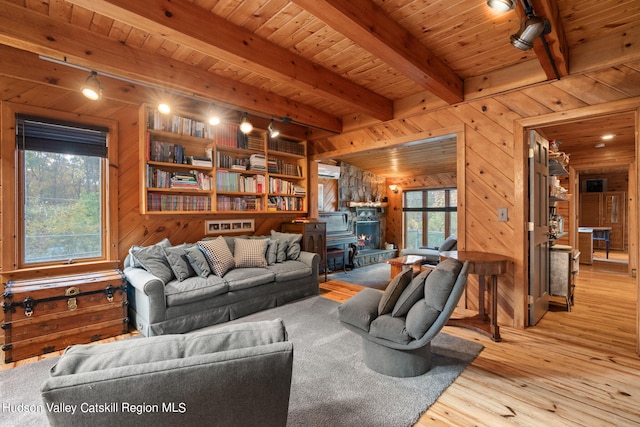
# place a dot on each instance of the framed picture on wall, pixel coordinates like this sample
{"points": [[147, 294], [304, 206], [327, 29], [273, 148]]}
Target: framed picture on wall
{"points": [[223, 226]]}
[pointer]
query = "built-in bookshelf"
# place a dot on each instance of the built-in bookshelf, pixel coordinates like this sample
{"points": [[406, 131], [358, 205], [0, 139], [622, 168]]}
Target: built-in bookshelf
{"points": [[192, 167]]}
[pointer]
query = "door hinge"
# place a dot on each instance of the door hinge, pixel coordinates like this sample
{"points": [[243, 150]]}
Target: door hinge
{"points": [[531, 300], [531, 153], [530, 226]]}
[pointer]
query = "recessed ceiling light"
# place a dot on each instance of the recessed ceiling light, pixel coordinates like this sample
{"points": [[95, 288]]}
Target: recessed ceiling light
{"points": [[607, 137], [600, 145]]}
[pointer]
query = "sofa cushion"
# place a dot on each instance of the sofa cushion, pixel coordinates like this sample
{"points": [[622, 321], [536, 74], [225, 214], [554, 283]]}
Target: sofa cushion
{"points": [[242, 278], [420, 318], [152, 259], [250, 253], [194, 289], [177, 259], [290, 270], [197, 260], [218, 255], [361, 309], [165, 243], [413, 293], [438, 285], [390, 328], [272, 252], [449, 244], [95, 357], [393, 291], [291, 242]]}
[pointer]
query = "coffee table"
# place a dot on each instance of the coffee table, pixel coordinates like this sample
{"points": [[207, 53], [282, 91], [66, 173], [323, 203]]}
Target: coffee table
{"points": [[398, 264]]}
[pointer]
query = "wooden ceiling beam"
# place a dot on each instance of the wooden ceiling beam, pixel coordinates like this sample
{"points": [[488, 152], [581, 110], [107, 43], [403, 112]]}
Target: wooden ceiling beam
{"points": [[48, 37], [370, 27], [189, 25], [558, 55]]}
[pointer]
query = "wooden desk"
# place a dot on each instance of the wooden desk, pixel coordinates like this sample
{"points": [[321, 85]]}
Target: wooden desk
{"points": [[398, 264], [599, 233], [483, 264]]}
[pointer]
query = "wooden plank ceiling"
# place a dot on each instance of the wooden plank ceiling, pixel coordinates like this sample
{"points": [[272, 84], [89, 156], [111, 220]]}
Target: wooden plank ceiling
{"points": [[317, 63]]}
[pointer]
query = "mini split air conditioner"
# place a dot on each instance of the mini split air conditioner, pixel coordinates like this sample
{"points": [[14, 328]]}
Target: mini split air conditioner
{"points": [[328, 171]]}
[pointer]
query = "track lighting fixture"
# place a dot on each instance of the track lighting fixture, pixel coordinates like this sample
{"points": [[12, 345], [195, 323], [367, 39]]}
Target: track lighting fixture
{"points": [[92, 88], [214, 117], [501, 5], [530, 29], [245, 124], [273, 132], [164, 107]]}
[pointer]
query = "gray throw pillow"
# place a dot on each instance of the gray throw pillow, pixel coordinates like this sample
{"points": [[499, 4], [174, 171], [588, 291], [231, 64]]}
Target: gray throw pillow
{"points": [[198, 261], [165, 243], [393, 291], [272, 252], [449, 244], [152, 259], [177, 259], [438, 285], [292, 241], [411, 295]]}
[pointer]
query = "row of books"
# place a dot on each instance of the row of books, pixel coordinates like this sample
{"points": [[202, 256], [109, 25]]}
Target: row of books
{"points": [[229, 135], [195, 180], [229, 162], [286, 146], [281, 186], [233, 181], [179, 125], [162, 151], [283, 167], [177, 202], [226, 203], [285, 203]]}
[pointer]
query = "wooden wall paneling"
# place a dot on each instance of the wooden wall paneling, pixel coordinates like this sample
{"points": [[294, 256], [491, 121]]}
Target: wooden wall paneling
{"points": [[329, 194]]}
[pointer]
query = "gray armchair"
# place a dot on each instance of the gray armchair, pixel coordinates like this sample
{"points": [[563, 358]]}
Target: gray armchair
{"points": [[238, 375], [397, 325]]}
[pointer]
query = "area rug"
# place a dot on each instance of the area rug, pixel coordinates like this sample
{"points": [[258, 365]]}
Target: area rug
{"points": [[372, 276], [331, 385]]}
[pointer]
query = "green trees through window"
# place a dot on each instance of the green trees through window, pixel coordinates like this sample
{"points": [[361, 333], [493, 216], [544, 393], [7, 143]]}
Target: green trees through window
{"points": [[430, 216], [62, 190]]}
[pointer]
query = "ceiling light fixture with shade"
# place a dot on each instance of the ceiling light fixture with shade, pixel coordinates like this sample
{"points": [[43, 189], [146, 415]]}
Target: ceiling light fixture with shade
{"points": [[164, 107], [245, 124], [92, 88]]}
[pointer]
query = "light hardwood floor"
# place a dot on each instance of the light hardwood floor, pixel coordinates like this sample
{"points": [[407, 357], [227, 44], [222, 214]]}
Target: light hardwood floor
{"points": [[575, 368]]}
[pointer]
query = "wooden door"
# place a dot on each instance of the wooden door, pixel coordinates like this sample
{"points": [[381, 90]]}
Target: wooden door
{"points": [[539, 227]]}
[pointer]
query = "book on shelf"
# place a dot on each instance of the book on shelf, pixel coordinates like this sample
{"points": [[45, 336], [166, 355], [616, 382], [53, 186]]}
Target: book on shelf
{"points": [[228, 203], [258, 162], [199, 161], [179, 125], [286, 146]]}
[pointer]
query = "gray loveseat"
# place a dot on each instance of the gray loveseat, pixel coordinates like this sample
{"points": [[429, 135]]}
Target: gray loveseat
{"points": [[236, 375], [176, 289]]}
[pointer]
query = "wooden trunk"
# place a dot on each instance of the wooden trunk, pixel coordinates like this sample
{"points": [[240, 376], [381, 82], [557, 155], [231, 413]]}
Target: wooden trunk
{"points": [[48, 314]]}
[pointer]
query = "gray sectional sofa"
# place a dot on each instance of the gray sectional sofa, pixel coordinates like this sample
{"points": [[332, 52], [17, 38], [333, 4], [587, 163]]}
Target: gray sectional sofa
{"points": [[176, 289]]}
